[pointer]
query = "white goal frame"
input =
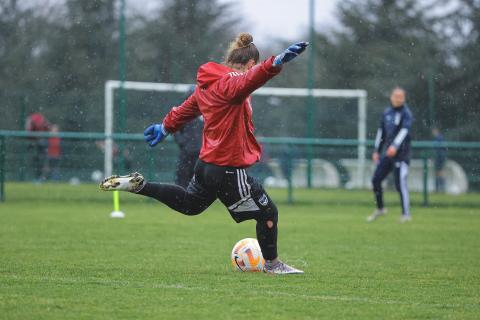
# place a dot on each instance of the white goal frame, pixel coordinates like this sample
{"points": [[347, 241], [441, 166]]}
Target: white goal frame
{"points": [[360, 95]]}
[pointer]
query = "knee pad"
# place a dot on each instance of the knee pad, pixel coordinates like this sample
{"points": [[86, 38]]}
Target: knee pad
{"points": [[268, 213], [273, 212]]}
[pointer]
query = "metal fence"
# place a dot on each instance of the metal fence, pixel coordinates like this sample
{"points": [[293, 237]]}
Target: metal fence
{"points": [[25, 156]]}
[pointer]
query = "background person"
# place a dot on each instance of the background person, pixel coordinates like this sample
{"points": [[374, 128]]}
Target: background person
{"points": [[392, 153], [37, 146], [54, 153], [189, 141]]}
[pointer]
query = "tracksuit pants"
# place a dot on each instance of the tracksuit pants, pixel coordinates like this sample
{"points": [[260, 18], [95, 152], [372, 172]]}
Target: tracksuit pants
{"points": [[400, 170]]}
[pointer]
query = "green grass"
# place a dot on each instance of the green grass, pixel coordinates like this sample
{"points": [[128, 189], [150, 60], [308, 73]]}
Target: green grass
{"points": [[62, 257]]}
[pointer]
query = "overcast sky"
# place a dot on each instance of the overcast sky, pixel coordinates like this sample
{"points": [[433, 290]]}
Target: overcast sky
{"points": [[285, 19], [274, 19], [278, 19]]}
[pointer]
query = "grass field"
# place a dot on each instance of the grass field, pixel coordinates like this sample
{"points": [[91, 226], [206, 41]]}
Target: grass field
{"points": [[62, 257]]}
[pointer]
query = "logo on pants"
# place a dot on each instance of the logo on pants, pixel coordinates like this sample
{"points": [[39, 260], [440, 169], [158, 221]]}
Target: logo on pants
{"points": [[263, 200]]}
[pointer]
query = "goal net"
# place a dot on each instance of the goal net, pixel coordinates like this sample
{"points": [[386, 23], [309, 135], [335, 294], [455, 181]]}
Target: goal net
{"points": [[278, 112]]}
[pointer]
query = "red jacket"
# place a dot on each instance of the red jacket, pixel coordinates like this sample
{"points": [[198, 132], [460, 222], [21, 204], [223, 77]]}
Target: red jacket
{"points": [[37, 122], [54, 149], [223, 98]]}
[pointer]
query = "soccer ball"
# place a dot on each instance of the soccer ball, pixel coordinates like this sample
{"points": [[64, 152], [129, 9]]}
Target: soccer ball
{"points": [[247, 256]]}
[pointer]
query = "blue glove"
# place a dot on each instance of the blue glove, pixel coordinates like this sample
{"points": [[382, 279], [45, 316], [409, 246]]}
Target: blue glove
{"points": [[291, 52], [155, 134]]}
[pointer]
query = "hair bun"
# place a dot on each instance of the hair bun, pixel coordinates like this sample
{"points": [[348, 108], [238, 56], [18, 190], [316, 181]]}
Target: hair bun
{"points": [[244, 39], [241, 50]]}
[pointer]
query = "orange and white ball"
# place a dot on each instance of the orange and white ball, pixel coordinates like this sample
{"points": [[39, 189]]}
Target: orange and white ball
{"points": [[247, 256]]}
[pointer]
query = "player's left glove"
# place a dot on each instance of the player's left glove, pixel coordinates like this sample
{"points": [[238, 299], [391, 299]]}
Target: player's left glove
{"points": [[290, 53], [154, 134]]}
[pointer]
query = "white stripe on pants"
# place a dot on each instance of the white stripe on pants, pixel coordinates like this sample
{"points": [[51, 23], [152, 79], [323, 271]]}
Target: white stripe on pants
{"points": [[403, 188]]}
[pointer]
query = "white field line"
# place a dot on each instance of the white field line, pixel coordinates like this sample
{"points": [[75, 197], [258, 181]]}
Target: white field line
{"points": [[272, 293]]}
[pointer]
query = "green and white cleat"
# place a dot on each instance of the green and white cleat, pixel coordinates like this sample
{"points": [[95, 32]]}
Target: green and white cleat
{"points": [[405, 218], [132, 182], [376, 214], [280, 268]]}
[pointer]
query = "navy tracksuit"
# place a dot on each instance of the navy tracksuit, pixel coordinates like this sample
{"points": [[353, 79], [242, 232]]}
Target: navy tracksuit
{"points": [[394, 130], [189, 140]]}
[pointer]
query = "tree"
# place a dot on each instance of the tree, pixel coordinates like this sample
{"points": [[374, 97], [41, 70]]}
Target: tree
{"points": [[170, 45], [461, 91], [56, 59], [382, 44], [81, 55], [21, 47]]}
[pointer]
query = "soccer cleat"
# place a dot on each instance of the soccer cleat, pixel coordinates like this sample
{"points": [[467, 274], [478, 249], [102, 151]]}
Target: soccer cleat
{"points": [[376, 214], [405, 218], [132, 182], [280, 268]]}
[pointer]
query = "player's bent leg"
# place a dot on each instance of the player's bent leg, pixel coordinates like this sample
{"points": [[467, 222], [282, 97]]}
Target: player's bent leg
{"points": [[266, 228], [132, 182], [246, 199], [191, 201], [267, 233]]}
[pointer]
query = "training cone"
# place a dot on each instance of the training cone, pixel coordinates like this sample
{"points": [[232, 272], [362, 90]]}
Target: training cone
{"points": [[116, 213]]}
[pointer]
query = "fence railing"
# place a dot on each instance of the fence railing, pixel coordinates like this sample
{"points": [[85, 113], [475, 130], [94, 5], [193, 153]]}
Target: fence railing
{"points": [[273, 140], [82, 155]]}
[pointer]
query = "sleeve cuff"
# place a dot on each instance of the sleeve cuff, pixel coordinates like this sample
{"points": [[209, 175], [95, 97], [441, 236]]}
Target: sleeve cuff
{"points": [[165, 130], [270, 68]]}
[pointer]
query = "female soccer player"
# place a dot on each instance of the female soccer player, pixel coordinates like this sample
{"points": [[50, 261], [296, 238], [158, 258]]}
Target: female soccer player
{"points": [[229, 146]]}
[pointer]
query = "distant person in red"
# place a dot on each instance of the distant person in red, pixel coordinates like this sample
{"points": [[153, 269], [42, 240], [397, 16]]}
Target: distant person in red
{"points": [[229, 147], [54, 154], [36, 122]]}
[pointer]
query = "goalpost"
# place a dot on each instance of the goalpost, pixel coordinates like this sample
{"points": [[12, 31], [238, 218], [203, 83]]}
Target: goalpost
{"points": [[360, 95]]}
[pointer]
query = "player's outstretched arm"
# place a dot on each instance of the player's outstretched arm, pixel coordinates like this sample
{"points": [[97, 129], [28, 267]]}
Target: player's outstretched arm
{"points": [[174, 120], [290, 53], [240, 85]]}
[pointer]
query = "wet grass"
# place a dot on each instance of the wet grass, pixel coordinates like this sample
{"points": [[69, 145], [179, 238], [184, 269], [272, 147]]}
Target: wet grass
{"points": [[62, 257]]}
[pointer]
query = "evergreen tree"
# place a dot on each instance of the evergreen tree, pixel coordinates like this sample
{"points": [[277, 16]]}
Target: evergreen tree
{"points": [[21, 49], [171, 44], [382, 44]]}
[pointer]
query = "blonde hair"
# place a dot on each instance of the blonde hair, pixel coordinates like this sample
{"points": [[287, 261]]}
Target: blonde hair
{"points": [[242, 50]]}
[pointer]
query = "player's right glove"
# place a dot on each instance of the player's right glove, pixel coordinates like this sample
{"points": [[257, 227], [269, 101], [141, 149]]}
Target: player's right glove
{"points": [[154, 134], [290, 53]]}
